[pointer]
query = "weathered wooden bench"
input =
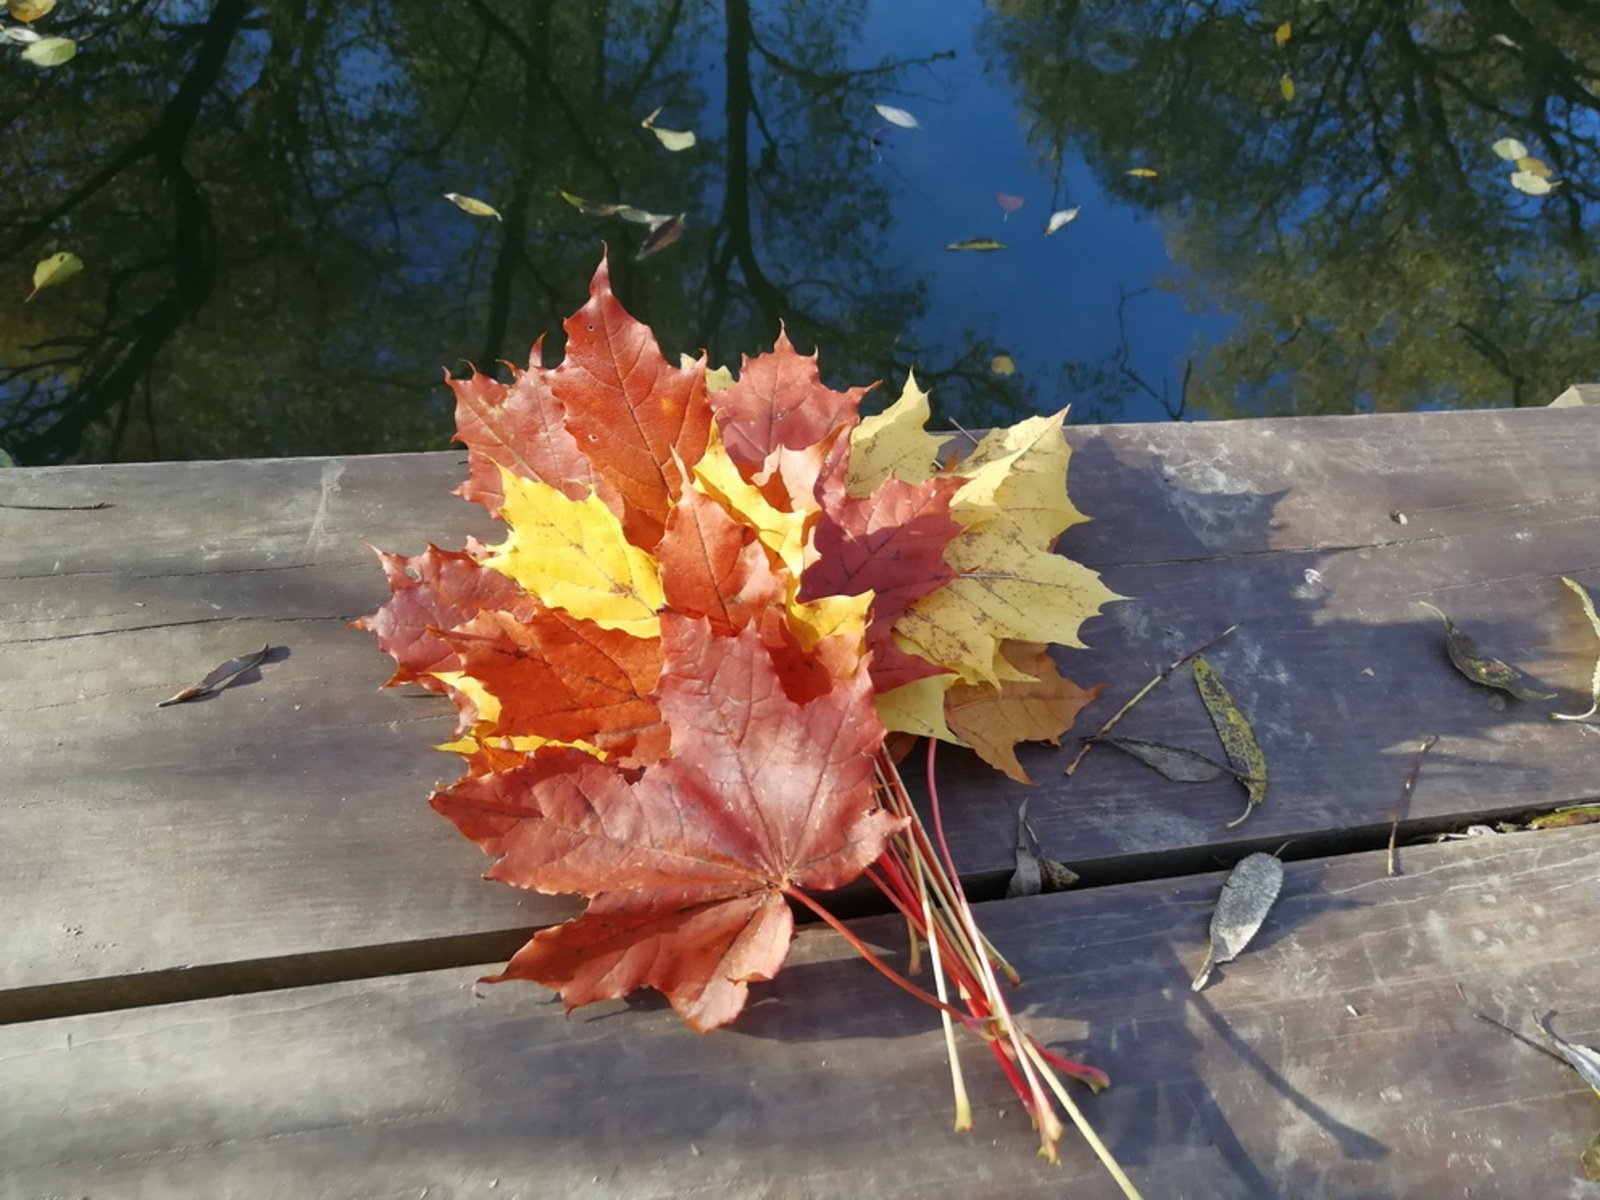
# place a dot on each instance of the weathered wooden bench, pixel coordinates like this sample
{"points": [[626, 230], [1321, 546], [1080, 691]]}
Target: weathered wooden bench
{"points": [[237, 949]]}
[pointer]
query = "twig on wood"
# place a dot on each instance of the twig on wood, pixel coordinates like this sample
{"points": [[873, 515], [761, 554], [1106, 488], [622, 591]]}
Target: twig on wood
{"points": [[965, 432], [1405, 794], [1526, 1041], [61, 507], [1141, 694]]}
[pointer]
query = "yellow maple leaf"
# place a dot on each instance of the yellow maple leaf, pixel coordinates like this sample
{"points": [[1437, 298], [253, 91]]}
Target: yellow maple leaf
{"points": [[917, 708], [831, 616], [572, 555], [992, 720], [894, 442], [783, 533], [1019, 475], [1005, 589]]}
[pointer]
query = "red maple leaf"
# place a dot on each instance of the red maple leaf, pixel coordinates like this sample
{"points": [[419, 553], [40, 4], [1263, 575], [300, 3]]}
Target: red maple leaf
{"points": [[689, 865], [521, 427], [780, 400], [634, 415], [560, 677], [712, 566], [432, 591], [890, 543]]}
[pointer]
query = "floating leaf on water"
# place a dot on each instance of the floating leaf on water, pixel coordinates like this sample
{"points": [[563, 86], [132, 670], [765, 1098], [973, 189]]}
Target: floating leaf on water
{"points": [[50, 51], [1141, 172], [1510, 149], [1283, 33], [1247, 897], [1001, 364], [1286, 87], [1501, 39], [1480, 667], [1177, 763], [627, 212], [1060, 218], [897, 116], [1008, 203], [234, 666], [977, 244], [662, 236], [29, 10], [1582, 1059], [673, 139], [1531, 184], [473, 206], [1237, 738], [5, 458], [20, 34], [1533, 166], [1583, 814], [1594, 681], [58, 268]]}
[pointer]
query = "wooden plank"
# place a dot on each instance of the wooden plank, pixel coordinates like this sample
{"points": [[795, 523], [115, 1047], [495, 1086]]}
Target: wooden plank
{"points": [[286, 817], [1335, 1058]]}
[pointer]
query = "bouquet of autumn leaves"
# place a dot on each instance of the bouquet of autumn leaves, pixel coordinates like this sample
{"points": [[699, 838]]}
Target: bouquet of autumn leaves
{"points": [[676, 674]]}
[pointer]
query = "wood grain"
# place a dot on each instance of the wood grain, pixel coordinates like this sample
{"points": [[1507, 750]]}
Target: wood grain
{"points": [[1335, 1058], [285, 815]]}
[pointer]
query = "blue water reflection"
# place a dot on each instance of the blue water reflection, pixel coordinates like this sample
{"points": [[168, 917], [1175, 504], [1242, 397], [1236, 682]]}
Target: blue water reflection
{"points": [[256, 193]]}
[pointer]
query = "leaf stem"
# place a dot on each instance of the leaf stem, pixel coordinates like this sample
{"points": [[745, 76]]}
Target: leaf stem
{"points": [[884, 968], [1141, 694]]}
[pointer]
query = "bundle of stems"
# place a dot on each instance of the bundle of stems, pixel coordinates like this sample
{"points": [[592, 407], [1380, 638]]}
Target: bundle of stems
{"points": [[919, 877]]}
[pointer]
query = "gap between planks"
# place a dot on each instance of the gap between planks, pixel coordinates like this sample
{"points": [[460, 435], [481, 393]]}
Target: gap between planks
{"points": [[490, 948]]}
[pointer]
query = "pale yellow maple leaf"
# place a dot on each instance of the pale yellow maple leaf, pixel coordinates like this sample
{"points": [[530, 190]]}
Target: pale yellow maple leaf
{"points": [[831, 616], [1019, 474], [917, 708], [894, 442], [1005, 589], [783, 533], [572, 555]]}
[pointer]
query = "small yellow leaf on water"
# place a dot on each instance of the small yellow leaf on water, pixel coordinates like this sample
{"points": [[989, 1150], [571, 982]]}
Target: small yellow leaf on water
{"points": [[977, 244], [50, 52], [29, 10], [1283, 33], [1141, 172], [1533, 166], [673, 139], [58, 268], [1286, 86], [897, 116], [473, 206], [1531, 184], [1510, 149], [1001, 364]]}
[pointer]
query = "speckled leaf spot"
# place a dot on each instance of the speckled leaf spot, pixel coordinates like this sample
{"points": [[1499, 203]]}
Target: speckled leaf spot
{"points": [[1248, 895], [1483, 668], [1236, 735]]}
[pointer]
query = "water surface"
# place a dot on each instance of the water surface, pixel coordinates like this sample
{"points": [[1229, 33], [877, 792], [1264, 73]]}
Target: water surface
{"points": [[1320, 221]]}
